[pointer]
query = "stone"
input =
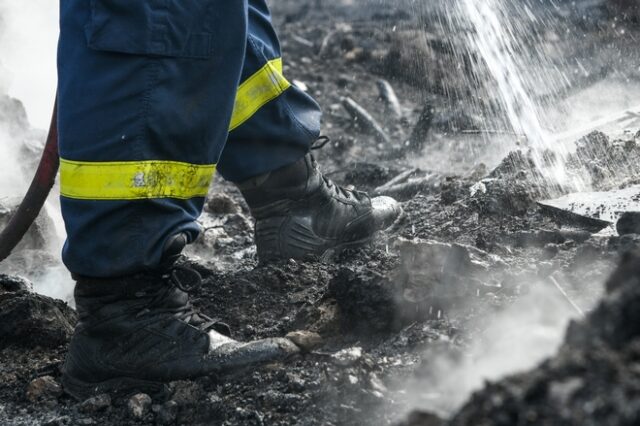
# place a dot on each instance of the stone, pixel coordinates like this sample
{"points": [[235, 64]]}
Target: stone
{"points": [[219, 203], [43, 388], [96, 404], [13, 284], [347, 357], [139, 405], [307, 340], [238, 223], [31, 320], [629, 223]]}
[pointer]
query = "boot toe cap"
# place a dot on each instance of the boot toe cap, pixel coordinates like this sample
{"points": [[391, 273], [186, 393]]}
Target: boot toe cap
{"points": [[236, 355]]}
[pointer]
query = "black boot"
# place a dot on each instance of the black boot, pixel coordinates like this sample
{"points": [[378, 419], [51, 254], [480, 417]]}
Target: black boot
{"points": [[137, 333], [300, 212]]}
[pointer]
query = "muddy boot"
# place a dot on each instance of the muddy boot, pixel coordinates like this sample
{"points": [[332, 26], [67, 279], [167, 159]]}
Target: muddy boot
{"points": [[137, 333], [300, 212]]}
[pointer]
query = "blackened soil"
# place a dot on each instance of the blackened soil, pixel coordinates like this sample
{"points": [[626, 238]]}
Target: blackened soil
{"points": [[463, 252]]}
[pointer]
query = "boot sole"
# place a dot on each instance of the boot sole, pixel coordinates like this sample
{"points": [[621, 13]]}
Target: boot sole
{"points": [[120, 387]]}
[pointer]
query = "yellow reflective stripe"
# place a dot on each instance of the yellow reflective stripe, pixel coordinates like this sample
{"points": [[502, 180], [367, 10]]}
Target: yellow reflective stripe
{"points": [[135, 180], [259, 89]]}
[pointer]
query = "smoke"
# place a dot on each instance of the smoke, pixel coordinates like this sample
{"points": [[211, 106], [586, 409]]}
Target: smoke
{"points": [[512, 340], [28, 39], [12, 179]]}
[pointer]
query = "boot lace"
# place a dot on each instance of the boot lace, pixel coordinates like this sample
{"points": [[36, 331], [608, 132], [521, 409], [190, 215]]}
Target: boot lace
{"points": [[175, 279], [334, 188]]}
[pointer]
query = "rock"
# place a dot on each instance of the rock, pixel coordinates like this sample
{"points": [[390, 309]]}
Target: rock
{"points": [[629, 223], [139, 405], [219, 203], [167, 413], [517, 164], [435, 270], [96, 404], [43, 388], [602, 159], [506, 196], [307, 340], [13, 284], [29, 320], [347, 357], [237, 224]]}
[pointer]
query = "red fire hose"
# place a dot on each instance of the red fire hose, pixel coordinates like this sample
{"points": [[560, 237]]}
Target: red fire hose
{"points": [[37, 194]]}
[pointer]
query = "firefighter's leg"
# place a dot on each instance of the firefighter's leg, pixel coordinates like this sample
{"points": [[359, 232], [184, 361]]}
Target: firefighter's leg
{"points": [[298, 211], [274, 123], [146, 93]]}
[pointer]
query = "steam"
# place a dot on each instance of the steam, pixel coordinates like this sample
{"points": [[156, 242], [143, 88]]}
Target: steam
{"points": [[12, 179], [28, 74], [509, 38], [28, 40], [512, 340]]}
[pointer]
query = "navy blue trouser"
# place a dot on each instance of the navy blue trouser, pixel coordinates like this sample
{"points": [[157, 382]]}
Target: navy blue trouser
{"points": [[154, 96]]}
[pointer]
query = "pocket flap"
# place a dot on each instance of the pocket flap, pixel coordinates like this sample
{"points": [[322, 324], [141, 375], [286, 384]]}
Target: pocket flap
{"points": [[179, 28]]}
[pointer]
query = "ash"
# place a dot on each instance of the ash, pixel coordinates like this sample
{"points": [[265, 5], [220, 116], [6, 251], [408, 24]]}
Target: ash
{"points": [[485, 305]]}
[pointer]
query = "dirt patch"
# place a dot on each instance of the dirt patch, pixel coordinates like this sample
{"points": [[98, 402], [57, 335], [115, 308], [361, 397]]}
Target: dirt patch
{"points": [[472, 243]]}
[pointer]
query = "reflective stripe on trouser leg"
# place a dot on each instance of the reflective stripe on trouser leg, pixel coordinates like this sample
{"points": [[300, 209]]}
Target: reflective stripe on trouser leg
{"points": [[284, 120], [257, 91], [135, 180], [146, 95]]}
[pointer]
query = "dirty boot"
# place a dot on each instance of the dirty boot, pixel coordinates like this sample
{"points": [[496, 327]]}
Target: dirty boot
{"points": [[137, 333], [300, 212]]}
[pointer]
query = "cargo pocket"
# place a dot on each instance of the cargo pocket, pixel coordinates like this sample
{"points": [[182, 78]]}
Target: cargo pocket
{"points": [[175, 28]]}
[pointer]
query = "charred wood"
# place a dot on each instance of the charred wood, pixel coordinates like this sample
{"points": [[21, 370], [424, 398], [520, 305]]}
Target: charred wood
{"points": [[365, 120]]}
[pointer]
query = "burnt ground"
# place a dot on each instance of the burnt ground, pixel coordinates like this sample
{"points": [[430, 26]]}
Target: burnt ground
{"points": [[471, 246]]}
